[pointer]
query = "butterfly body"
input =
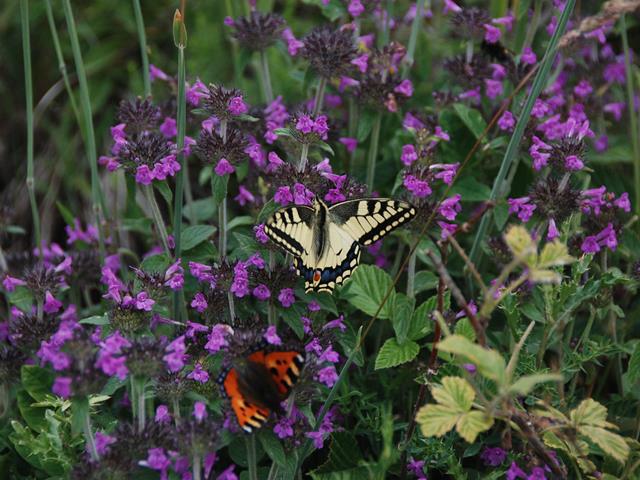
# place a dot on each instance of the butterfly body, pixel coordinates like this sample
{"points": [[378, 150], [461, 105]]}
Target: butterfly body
{"points": [[257, 384], [326, 241]]}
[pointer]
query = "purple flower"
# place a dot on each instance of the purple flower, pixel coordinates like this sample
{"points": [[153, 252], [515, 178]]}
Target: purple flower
{"points": [[102, 442], [144, 302], [623, 202], [355, 8], [10, 283], [411, 122], [156, 73], [507, 21], [334, 195], [522, 207], [271, 336], [506, 121], [240, 285], [572, 162], [450, 6], [111, 163], [492, 34], [200, 271], [244, 196], [169, 127], [493, 88], [302, 195], [447, 171], [470, 368], [199, 302], [258, 231], [409, 154], [293, 44], [305, 124], [284, 428], [175, 357], [286, 297], [601, 144], [328, 376], [62, 387], [590, 245], [162, 414], [416, 467], [583, 89], [361, 62], [237, 106], [51, 305], [553, 232], [404, 88], [615, 72], [515, 472], [493, 457], [337, 323], [283, 196], [144, 175], [450, 207], [537, 474], [615, 109], [261, 292], [198, 374], [274, 162], [216, 339], [441, 134], [157, 460], [420, 188], [224, 168], [228, 474], [528, 57], [539, 153]]}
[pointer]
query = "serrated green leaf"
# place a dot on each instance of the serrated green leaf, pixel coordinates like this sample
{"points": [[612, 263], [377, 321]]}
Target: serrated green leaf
{"points": [[272, 446], [454, 392], [463, 327], [219, 188], [525, 384], [421, 320], [366, 290], [611, 443], [402, 314], [633, 370], [425, 280], [591, 413], [521, 244], [544, 276], [195, 234], [37, 381], [489, 362], [553, 255], [473, 423], [393, 354], [436, 420], [155, 263], [472, 118], [96, 320]]}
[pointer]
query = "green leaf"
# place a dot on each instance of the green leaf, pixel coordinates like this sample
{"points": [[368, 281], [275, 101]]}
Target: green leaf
{"points": [[155, 263], [525, 384], [436, 420], [489, 362], [283, 132], [633, 370], [165, 191], [471, 190], [402, 313], [21, 297], [472, 118], [37, 381], [195, 234], [554, 254], [425, 280], [367, 288], [66, 213], [96, 320], [33, 415], [521, 244], [325, 147], [537, 275], [200, 210], [272, 446], [219, 188], [393, 354], [365, 124], [501, 215], [421, 321], [611, 443], [456, 393], [473, 423], [589, 412], [242, 220], [463, 327], [344, 454]]}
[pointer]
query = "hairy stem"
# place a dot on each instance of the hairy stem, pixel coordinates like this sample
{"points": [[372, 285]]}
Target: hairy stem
{"points": [[266, 76], [373, 151], [318, 101], [303, 157], [411, 275], [88, 435], [28, 86], [197, 466], [157, 218]]}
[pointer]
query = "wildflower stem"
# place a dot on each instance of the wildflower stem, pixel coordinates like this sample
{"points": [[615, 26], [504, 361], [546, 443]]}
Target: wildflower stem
{"points": [[86, 428], [222, 208], [635, 141], [176, 411], [62, 66], [411, 274], [157, 218], [3, 262], [140, 403], [28, 86], [266, 76], [413, 39], [99, 207], [523, 119], [469, 51], [251, 457], [271, 313], [373, 151], [303, 157], [197, 466], [318, 101], [178, 297], [142, 38]]}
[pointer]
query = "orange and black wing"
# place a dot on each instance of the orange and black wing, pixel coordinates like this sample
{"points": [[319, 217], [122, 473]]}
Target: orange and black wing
{"points": [[250, 416], [285, 368]]}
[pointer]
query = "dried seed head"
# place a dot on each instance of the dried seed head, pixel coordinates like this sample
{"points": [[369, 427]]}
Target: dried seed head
{"points": [[329, 51], [258, 30]]}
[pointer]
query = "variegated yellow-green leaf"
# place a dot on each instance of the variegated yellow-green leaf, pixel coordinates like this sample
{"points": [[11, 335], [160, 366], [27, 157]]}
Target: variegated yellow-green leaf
{"points": [[473, 423], [525, 384], [489, 362], [537, 275], [521, 244], [454, 392], [611, 443], [436, 420], [591, 413], [554, 254]]}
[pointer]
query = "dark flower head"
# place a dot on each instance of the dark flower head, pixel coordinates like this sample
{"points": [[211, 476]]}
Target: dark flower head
{"points": [[41, 279], [329, 51], [28, 331], [210, 147], [147, 149], [470, 74], [554, 202], [86, 267], [128, 320], [86, 378], [500, 252], [198, 436], [138, 115], [219, 101], [11, 361], [468, 23], [567, 147], [144, 357], [258, 30], [171, 387]]}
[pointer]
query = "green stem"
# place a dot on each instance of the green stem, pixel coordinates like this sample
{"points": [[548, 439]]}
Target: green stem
{"points": [[303, 157], [176, 411], [28, 86], [266, 76], [222, 225], [318, 101], [523, 119], [99, 207], [373, 151], [61, 65], [197, 466], [3, 261], [413, 39], [157, 218], [141, 404], [142, 39], [88, 435], [632, 117], [178, 297], [411, 274], [250, 441], [271, 313]]}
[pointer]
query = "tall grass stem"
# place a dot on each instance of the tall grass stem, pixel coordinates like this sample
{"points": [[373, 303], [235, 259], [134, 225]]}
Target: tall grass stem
{"points": [[318, 101], [28, 86], [157, 218], [266, 76], [373, 151], [413, 39], [523, 119], [142, 39]]}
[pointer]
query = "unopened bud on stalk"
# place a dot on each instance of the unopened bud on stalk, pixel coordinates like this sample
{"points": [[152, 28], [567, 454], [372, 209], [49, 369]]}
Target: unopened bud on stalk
{"points": [[179, 30]]}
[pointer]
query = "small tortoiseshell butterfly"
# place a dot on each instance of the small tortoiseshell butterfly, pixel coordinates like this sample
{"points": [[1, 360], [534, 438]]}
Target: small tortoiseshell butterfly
{"points": [[257, 384]]}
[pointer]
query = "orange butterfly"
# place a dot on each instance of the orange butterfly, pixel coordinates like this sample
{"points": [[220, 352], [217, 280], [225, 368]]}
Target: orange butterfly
{"points": [[257, 384]]}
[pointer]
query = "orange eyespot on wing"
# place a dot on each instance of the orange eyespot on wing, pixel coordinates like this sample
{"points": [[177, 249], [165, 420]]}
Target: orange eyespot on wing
{"points": [[285, 368], [250, 417]]}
